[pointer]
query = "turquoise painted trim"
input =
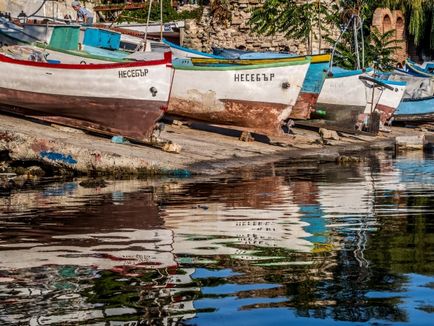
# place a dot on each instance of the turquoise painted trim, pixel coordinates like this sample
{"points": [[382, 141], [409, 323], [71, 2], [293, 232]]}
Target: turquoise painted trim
{"points": [[99, 52], [181, 48], [347, 73], [185, 66], [418, 70], [392, 82], [315, 78], [82, 54]]}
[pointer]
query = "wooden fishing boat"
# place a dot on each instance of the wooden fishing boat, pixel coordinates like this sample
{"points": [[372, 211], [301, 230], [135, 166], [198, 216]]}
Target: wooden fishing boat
{"points": [[311, 86], [415, 110], [11, 34], [124, 99], [419, 71], [418, 102], [348, 97], [257, 97]]}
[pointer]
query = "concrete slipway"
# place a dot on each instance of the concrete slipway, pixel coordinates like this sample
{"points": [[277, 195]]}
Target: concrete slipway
{"points": [[202, 152]]}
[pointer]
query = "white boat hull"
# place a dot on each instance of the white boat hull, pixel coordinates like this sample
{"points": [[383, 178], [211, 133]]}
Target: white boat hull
{"points": [[258, 98], [125, 99]]}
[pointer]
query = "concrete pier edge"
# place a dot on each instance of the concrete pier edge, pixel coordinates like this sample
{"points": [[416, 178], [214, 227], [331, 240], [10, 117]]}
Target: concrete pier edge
{"points": [[69, 151]]}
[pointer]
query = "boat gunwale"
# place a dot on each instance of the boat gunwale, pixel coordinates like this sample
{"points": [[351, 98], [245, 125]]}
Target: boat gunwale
{"points": [[429, 98], [241, 67], [419, 70], [348, 73], [97, 66], [181, 48], [83, 54]]}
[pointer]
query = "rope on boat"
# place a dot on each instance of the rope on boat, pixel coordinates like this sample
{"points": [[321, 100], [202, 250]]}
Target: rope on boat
{"points": [[337, 42], [39, 9]]}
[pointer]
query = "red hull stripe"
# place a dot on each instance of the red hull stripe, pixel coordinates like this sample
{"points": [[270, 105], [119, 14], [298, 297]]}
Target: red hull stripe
{"points": [[167, 60]]}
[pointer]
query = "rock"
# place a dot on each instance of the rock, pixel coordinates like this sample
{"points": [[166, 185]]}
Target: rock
{"points": [[410, 142], [93, 183], [36, 171], [328, 134], [349, 159], [4, 167], [172, 148]]}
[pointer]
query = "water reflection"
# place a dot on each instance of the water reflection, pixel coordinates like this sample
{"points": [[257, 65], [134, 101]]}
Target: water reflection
{"points": [[278, 245]]}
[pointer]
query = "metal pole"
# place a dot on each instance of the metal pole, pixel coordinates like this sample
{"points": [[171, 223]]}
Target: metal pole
{"points": [[319, 27], [363, 45], [147, 22], [161, 20]]}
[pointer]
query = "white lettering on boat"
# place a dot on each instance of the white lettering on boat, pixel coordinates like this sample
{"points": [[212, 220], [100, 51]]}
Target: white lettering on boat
{"points": [[133, 73], [253, 77]]}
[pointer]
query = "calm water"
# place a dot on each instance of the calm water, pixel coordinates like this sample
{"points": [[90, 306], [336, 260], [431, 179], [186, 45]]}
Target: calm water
{"points": [[283, 245]]}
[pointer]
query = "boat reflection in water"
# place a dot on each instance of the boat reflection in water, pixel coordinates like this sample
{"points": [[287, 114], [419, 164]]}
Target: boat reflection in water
{"points": [[279, 245]]}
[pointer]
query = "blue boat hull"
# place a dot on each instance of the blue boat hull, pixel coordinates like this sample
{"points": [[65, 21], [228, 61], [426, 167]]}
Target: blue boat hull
{"points": [[416, 110]]}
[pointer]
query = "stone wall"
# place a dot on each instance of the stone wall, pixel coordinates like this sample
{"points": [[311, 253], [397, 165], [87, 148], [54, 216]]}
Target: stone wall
{"points": [[385, 20], [59, 8], [236, 33]]}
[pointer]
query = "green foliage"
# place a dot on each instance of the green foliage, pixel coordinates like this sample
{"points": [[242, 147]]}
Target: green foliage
{"points": [[169, 13], [380, 48], [296, 20]]}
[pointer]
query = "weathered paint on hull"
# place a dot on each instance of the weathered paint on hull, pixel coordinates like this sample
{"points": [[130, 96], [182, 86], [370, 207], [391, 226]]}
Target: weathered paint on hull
{"points": [[245, 114], [310, 91], [386, 112], [344, 98], [131, 118], [390, 100], [342, 114], [258, 98], [305, 106]]}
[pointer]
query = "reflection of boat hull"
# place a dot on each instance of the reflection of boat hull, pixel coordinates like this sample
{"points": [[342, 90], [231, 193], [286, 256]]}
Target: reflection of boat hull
{"points": [[258, 98], [111, 102]]}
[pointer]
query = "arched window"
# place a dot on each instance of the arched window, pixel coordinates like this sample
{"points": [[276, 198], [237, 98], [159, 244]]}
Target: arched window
{"points": [[400, 28], [387, 24]]}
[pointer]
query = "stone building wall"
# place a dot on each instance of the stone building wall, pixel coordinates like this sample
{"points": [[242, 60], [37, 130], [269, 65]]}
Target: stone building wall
{"points": [[236, 33], [385, 20]]}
